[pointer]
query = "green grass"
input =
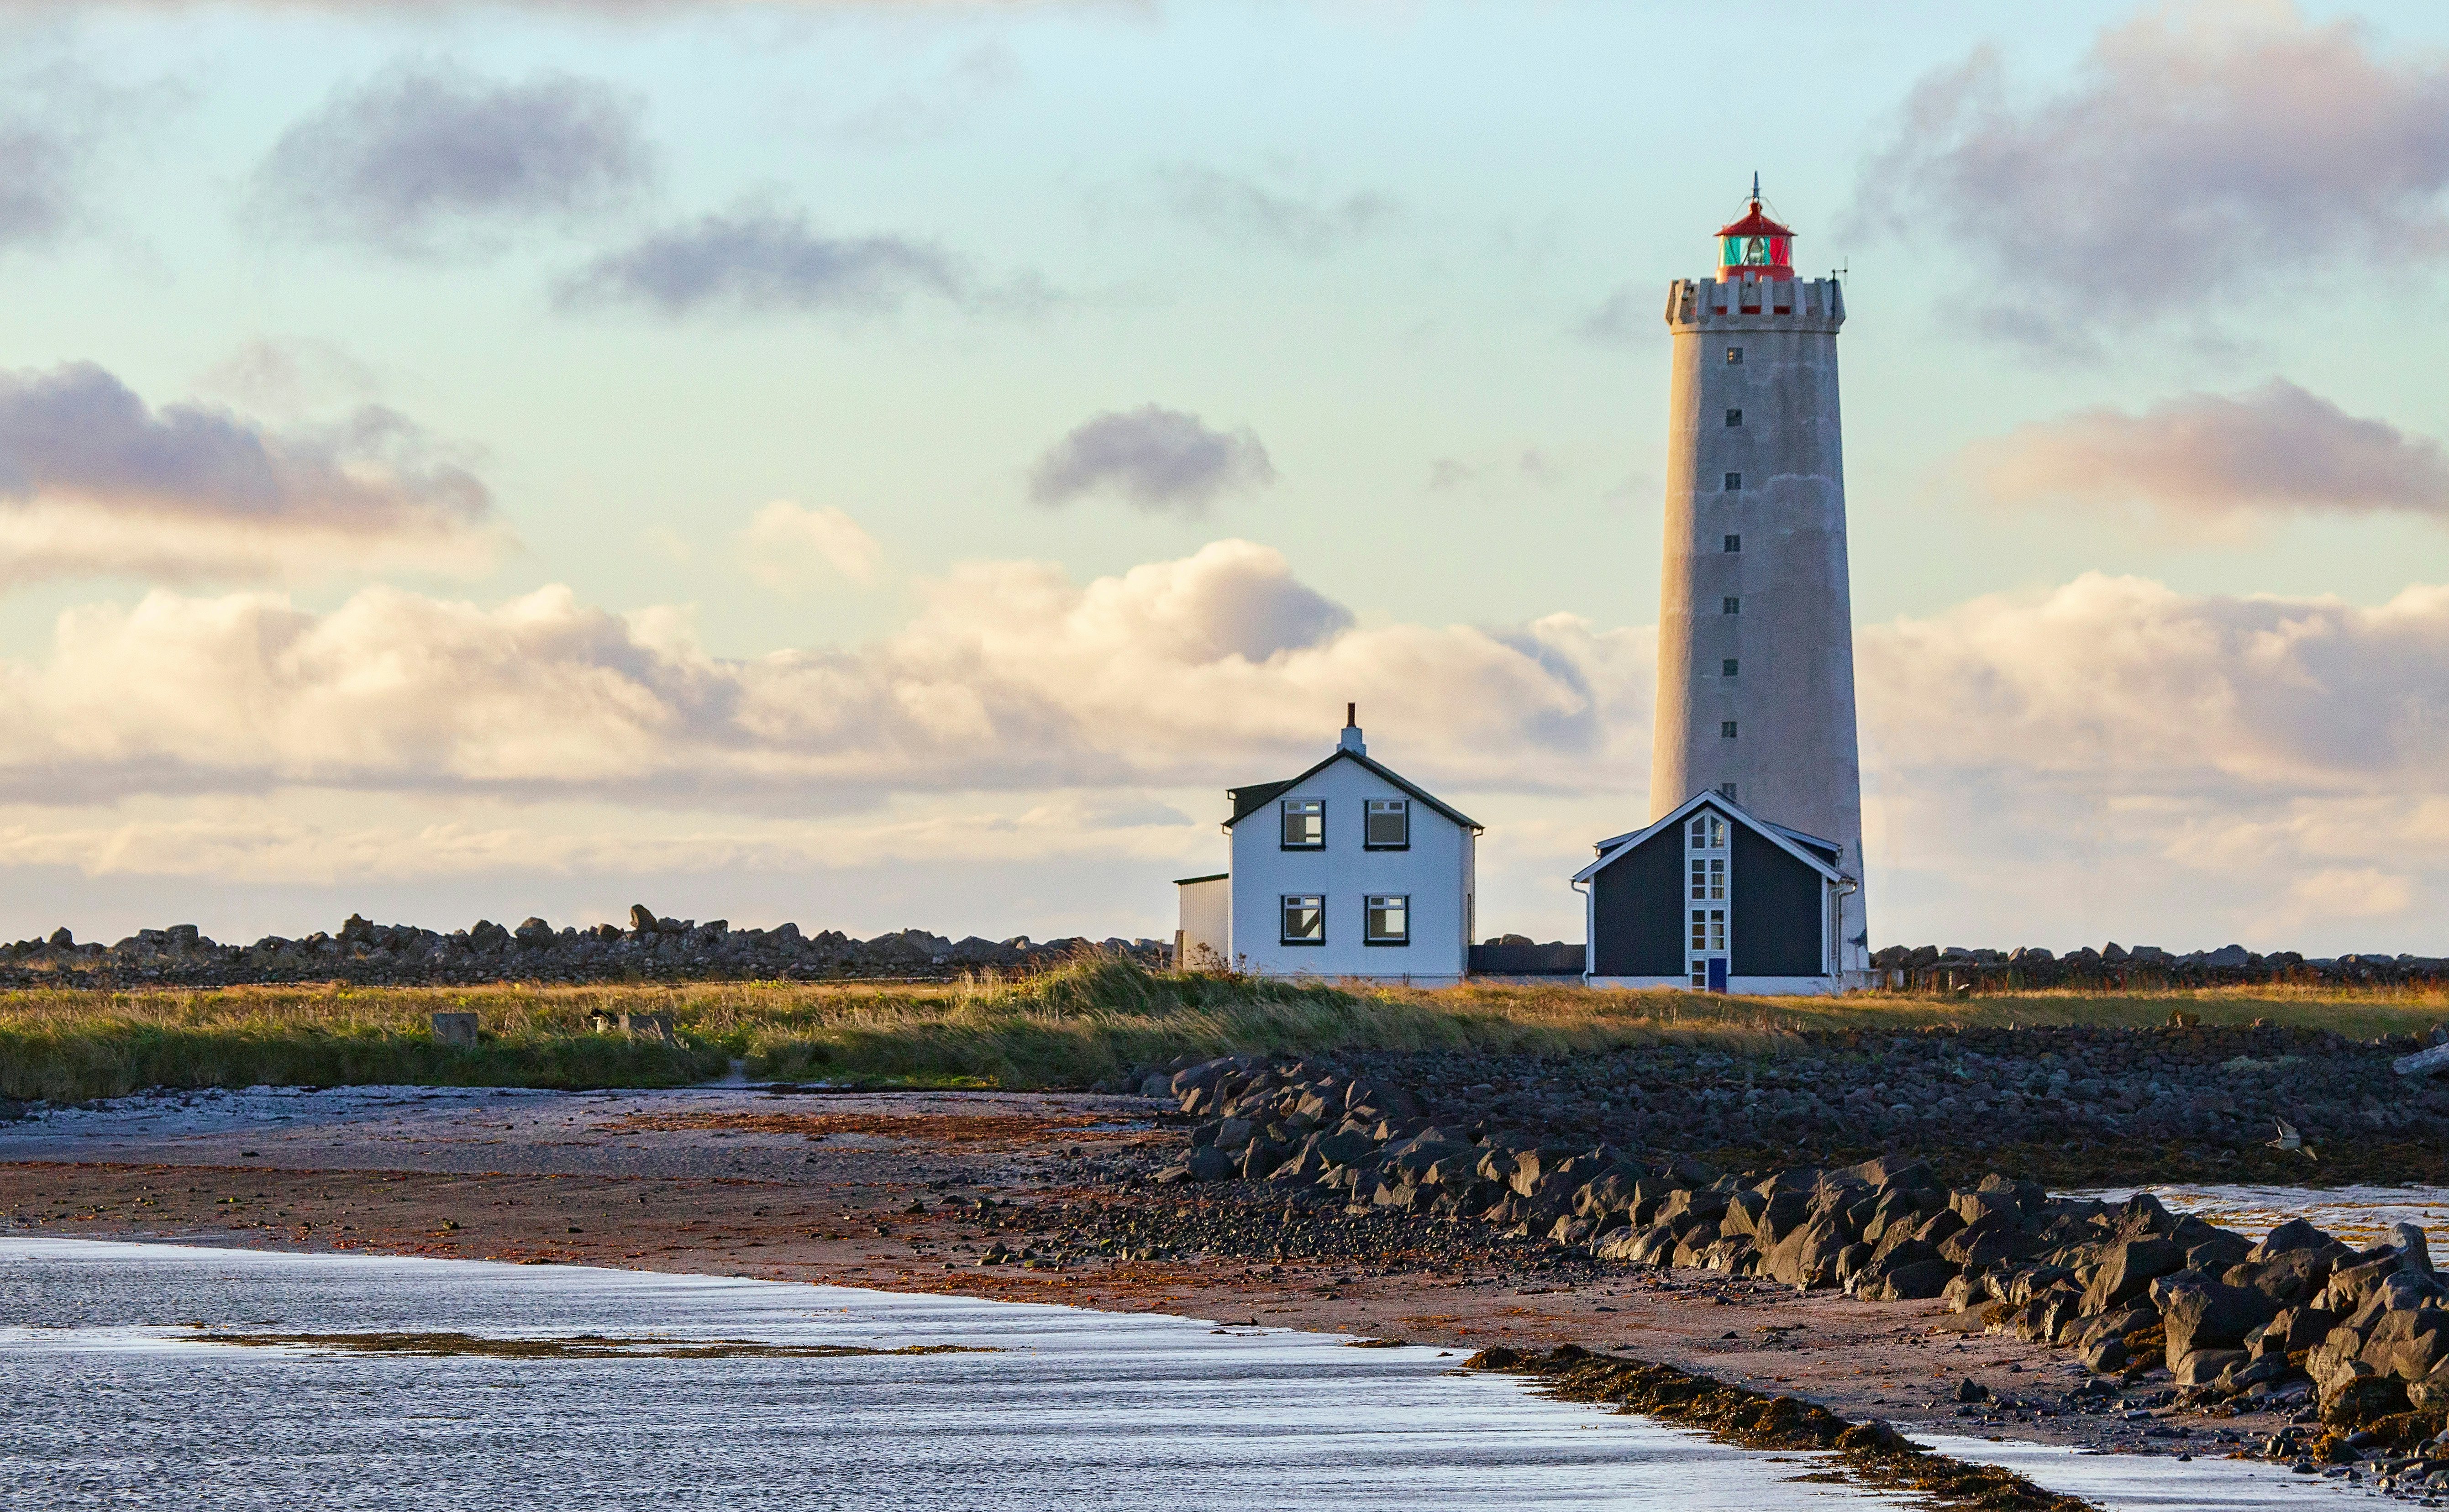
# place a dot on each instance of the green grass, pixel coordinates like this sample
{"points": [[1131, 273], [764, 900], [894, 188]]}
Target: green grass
{"points": [[1082, 1022]]}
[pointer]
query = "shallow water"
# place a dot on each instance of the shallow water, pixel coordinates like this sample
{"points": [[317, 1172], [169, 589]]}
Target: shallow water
{"points": [[113, 1401], [2360, 1214], [111, 1405]]}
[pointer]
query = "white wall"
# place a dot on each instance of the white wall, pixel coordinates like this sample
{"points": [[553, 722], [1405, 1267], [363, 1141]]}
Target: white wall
{"points": [[1206, 924], [1436, 872]]}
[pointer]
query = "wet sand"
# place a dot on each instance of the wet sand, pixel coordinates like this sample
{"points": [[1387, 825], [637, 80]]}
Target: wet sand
{"points": [[744, 1181]]}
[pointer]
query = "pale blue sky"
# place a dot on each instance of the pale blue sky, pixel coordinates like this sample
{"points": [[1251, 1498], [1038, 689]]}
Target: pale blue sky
{"points": [[1380, 237]]}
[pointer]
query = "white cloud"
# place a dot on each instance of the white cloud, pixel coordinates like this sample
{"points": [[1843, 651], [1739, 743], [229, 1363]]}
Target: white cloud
{"points": [[2274, 449], [1013, 678], [2112, 759], [786, 545], [2200, 148], [95, 481], [1158, 459]]}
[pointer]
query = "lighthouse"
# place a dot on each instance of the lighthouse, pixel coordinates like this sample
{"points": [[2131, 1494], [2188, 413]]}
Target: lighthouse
{"points": [[1755, 722]]}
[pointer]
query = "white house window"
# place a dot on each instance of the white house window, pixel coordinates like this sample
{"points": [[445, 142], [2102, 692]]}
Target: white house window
{"points": [[1709, 879], [1304, 919], [1390, 919], [1304, 824], [1390, 824], [1709, 832]]}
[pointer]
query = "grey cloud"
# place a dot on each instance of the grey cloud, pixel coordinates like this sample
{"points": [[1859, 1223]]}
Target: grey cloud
{"points": [[757, 259], [426, 159], [2274, 448], [1160, 460], [1628, 318], [2197, 150], [1244, 209], [77, 434]]}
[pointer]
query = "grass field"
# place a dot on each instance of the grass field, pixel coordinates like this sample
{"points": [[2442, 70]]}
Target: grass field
{"points": [[1071, 1026]]}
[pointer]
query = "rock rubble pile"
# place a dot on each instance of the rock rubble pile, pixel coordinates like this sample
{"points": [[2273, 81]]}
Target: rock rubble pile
{"points": [[1954, 968], [649, 948], [2298, 1321]]}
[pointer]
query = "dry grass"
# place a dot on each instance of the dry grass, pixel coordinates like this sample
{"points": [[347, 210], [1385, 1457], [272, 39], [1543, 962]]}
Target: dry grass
{"points": [[1082, 1022]]}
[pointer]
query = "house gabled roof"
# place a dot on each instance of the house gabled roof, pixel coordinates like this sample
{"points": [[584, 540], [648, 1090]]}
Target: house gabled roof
{"points": [[1613, 849], [1250, 801]]}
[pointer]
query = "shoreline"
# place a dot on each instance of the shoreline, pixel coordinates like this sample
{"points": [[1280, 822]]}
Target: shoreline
{"points": [[736, 1185]]}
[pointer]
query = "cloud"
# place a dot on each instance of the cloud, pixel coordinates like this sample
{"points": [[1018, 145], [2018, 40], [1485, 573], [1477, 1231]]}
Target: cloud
{"points": [[1627, 317], [1160, 460], [750, 260], [1013, 678], [2115, 756], [2276, 449], [426, 159], [786, 544], [2200, 148], [1246, 210], [93, 480]]}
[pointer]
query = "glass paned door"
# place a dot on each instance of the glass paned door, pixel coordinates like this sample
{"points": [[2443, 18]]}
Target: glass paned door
{"points": [[1705, 866]]}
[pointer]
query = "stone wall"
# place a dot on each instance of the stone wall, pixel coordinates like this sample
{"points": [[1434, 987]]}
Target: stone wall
{"points": [[1929, 968], [651, 948]]}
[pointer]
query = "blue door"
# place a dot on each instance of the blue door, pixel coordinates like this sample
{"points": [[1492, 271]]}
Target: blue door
{"points": [[1717, 973]]}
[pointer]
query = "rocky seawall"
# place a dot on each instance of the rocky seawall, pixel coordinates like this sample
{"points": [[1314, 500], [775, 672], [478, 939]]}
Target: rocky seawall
{"points": [[2352, 1342], [1927, 968], [650, 949]]}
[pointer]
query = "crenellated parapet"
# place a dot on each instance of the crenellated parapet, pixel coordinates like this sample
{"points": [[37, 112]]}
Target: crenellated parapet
{"points": [[1755, 304]]}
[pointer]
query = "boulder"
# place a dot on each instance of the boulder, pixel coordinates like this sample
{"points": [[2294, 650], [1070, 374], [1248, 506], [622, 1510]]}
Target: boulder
{"points": [[1912, 1281], [2409, 1345], [2287, 1278], [2205, 1367], [1207, 1162], [2352, 1401], [2202, 1313], [1808, 1257], [2128, 1268], [2296, 1234]]}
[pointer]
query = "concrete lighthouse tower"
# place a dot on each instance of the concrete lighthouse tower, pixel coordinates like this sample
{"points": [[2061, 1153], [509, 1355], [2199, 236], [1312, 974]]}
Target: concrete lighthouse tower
{"points": [[1755, 629]]}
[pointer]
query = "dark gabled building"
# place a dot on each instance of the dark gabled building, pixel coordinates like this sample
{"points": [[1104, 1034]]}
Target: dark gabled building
{"points": [[1713, 897]]}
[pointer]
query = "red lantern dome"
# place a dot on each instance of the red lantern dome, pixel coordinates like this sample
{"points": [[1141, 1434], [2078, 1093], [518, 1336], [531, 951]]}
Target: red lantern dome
{"points": [[1755, 246]]}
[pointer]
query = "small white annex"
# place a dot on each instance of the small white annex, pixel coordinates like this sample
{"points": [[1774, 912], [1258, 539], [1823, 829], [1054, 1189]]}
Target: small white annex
{"points": [[1345, 871]]}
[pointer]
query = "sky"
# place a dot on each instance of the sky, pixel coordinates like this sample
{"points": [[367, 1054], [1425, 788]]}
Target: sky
{"points": [[893, 465]]}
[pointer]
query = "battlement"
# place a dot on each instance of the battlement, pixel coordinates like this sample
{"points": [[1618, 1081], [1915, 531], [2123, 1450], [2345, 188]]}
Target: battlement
{"points": [[1755, 304]]}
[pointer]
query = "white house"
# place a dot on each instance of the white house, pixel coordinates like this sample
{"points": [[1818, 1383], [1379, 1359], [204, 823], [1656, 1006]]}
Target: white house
{"points": [[1712, 896], [1346, 870]]}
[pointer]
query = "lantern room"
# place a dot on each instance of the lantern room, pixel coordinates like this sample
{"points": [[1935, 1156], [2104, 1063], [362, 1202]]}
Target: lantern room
{"points": [[1755, 247]]}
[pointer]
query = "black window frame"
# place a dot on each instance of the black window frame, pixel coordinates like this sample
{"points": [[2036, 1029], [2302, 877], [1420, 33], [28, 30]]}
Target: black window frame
{"points": [[1369, 812], [1284, 825], [1311, 902], [1371, 908]]}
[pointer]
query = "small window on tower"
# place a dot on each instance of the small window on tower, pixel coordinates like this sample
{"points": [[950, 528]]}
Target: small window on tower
{"points": [[1734, 542], [1732, 605], [1729, 667], [1734, 357], [1734, 483], [1727, 729], [1734, 418]]}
